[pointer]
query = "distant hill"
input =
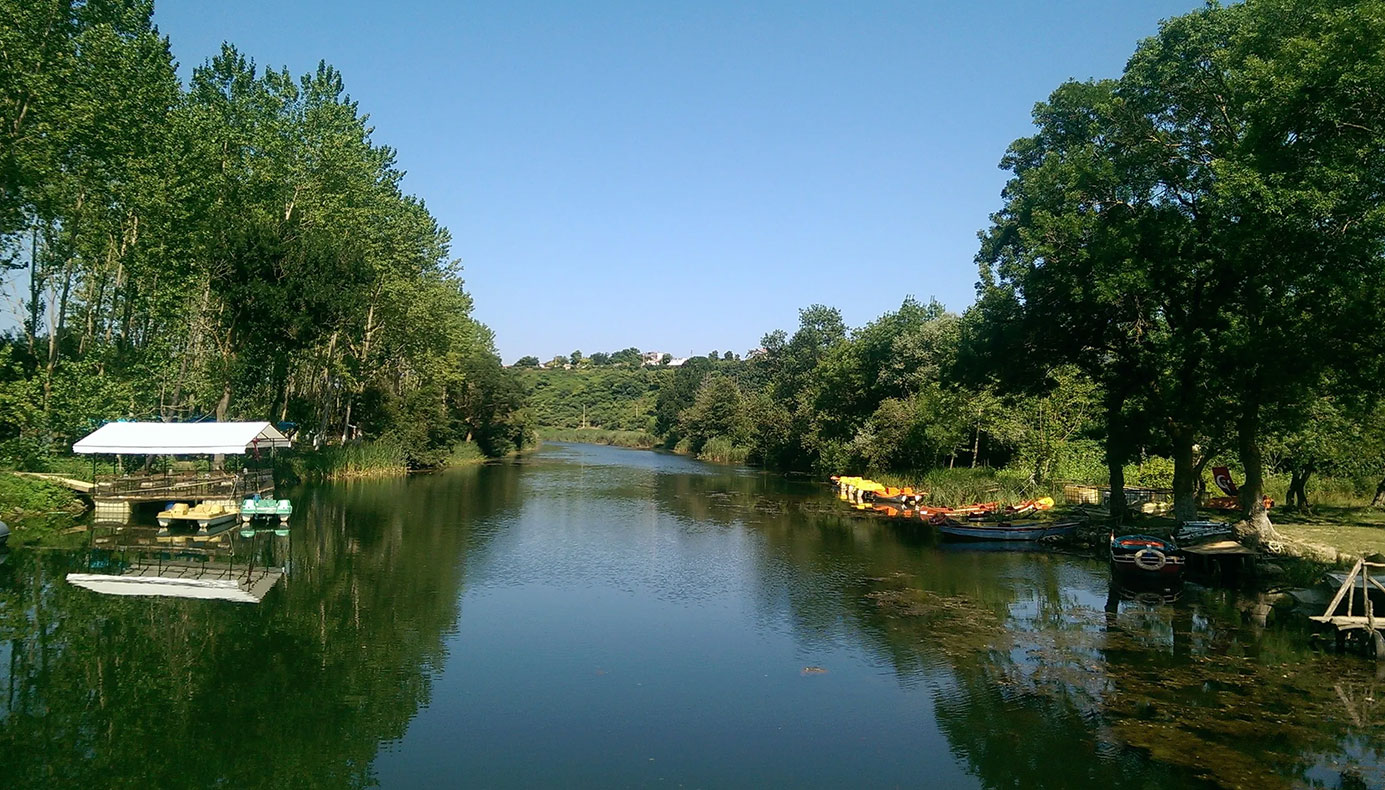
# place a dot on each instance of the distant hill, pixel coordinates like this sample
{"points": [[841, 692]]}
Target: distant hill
{"points": [[615, 398]]}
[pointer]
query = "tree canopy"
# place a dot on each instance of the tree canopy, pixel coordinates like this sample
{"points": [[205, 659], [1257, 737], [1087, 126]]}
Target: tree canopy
{"points": [[235, 247]]}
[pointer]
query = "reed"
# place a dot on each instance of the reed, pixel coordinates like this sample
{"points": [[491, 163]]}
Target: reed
{"points": [[378, 458]]}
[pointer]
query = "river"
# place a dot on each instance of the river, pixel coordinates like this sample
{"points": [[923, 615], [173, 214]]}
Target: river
{"points": [[597, 617]]}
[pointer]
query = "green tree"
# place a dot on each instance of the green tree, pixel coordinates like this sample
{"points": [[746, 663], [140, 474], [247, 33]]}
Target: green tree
{"points": [[1256, 116], [1068, 267], [627, 356], [718, 410]]}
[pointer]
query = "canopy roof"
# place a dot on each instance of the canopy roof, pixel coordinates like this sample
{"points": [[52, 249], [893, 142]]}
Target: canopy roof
{"points": [[180, 438]]}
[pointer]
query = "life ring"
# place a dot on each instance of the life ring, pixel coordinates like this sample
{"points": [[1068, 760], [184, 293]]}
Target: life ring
{"points": [[1150, 560]]}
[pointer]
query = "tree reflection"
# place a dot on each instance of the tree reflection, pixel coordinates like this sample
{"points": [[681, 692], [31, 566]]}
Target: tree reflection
{"points": [[298, 691], [1040, 685]]}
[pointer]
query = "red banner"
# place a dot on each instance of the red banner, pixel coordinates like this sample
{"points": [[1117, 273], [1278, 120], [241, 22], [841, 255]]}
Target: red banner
{"points": [[1222, 477]]}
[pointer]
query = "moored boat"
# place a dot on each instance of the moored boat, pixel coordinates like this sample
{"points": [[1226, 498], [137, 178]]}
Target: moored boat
{"points": [[266, 506], [1136, 557], [204, 515], [1007, 530], [1191, 533]]}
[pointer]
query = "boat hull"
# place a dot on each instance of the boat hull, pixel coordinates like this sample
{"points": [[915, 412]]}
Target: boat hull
{"points": [[167, 519], [1143, 557], [1012, 532]]}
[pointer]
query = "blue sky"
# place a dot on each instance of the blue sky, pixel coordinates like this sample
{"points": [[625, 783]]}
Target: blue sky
{"points": [[684, 176]]}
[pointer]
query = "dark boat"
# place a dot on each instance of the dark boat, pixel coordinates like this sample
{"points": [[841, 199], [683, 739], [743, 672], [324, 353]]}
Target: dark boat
{"points": [[1136, 557], [1191, 533], [1007, 530]]}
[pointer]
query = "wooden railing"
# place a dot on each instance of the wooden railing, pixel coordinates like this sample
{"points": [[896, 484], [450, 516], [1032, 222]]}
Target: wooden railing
{"points": [[185, 485], [1361, 570]]}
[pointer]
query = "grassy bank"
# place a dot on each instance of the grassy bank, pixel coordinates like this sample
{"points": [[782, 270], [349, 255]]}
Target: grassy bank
{"points": [[1356, 531], [35, 508], [639, 440], [964, 486], [380, 458]]}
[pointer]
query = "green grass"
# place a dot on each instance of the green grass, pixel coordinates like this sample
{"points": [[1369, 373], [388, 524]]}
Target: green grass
{"points": [[1355, 530], [640, 440], [378, 458]]}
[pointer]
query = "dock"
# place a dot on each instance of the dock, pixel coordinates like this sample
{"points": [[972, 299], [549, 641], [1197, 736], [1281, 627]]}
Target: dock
{"points": [[1224, 559], [116, 495], [1367, 625], [80, 486]]}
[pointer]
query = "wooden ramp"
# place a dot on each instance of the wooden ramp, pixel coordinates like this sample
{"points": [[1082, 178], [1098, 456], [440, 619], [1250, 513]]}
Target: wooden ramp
{"points": [[1367, 624], [80, 486]]}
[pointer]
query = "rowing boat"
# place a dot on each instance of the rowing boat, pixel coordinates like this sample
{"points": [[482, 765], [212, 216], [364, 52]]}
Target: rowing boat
{"points": [[1007, 530]]}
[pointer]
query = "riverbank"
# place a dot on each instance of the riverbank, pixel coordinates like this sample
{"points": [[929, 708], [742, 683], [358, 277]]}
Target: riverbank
{"points": [[380, 458], [35, 509], [635, 440]]}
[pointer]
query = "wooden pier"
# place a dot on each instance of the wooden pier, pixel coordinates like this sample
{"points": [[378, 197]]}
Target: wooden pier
{"points": [[80, 486], [1367, 625]]}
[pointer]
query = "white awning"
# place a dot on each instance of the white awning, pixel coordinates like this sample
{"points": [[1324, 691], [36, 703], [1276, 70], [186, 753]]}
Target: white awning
{"points": [[180, 438]]}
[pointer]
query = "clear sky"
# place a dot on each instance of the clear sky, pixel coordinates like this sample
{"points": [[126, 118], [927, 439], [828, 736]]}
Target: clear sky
{"points": [[684, 176]]}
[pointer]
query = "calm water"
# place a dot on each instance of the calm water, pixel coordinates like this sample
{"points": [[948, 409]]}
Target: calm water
{"points": [[597, 617]]}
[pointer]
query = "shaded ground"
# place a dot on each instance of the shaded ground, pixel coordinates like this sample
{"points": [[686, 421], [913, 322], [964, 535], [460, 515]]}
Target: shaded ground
{"points": [[1357, 531]]}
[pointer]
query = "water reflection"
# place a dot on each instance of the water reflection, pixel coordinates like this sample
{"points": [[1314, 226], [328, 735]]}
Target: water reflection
{"points": [[100, 691], [212, 564], [615, 618]]}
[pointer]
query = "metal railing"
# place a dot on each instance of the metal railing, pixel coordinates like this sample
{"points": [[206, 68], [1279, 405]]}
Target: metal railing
{"points": [[185, 485]]}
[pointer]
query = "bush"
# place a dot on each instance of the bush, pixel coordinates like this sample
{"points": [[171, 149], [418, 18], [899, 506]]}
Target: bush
{"points": [[721, 450], [952, 487], [1153, 472], [36, 503]]}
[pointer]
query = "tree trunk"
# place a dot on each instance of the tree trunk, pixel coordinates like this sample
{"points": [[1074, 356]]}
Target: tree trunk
{"points": [[1379, 492], [224, 404], [1184, 490], [1199, 487], [975, 446], [1256, 520], [1115, 463], [1298, 482], [288, 393], [35, 291]]}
